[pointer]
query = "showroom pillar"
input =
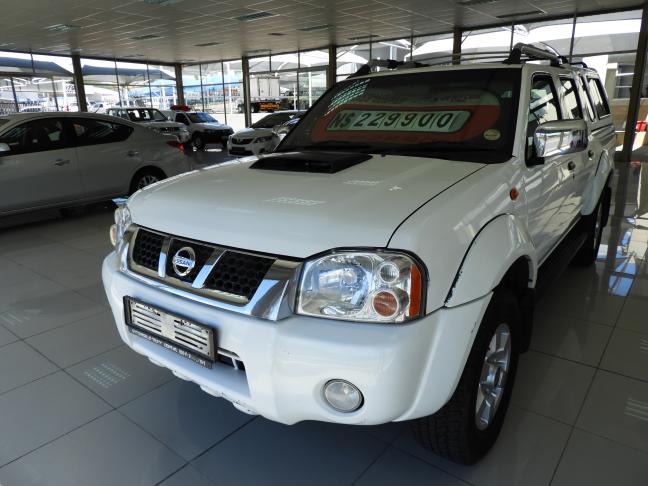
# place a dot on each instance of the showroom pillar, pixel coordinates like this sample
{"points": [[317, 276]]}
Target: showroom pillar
{"points": [[331, 71], [635, 90], [179, 84], [79, 87], [245, 66], [456, 46]]}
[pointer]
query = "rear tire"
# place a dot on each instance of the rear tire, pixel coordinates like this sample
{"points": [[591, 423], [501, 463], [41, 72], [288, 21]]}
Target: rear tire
{"points": [[462, 430], [145, 177], [593, 225]]}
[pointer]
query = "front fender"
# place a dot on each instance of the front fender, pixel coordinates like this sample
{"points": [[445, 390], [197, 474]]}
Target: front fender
{"points": [[501, 242], [596, 184]]}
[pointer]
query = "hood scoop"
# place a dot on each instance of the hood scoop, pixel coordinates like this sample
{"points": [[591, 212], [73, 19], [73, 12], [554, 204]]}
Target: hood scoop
{"points": [[307, 161]]}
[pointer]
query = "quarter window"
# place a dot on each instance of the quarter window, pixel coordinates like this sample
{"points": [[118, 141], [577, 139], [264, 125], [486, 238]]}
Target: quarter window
{"points": [[599, 101], [37, 136], [570, 99], [94, 131]]}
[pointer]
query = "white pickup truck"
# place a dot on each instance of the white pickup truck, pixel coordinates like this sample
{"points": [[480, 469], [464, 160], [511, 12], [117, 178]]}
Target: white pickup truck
{"points": [[382, 264]]}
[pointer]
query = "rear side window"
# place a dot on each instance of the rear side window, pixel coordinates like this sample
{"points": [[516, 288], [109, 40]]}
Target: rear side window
{"points": [[94, 131], [585, 97], [598, 99], [37, 136], [570, 99]]}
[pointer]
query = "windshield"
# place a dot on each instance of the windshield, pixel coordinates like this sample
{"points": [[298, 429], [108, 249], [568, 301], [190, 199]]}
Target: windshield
{"points": [[272, 120], [201, 117], [465, 114], [146, 115]]}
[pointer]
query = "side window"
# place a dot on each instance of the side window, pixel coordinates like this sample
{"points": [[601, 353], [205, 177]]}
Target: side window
{"points": [[598, 99], [585, 97], [91, 131], [570, 99], [37, 136]]}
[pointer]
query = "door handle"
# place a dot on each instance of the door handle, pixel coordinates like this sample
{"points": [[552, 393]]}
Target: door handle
{"points": [[132, 153], [590, 154], [61, 162], [571, 165]]}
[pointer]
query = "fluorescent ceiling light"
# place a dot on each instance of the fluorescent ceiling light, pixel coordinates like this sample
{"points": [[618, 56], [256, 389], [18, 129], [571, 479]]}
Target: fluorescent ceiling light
{"points": [[146, 37], [315, 27], [162, 3], [62, 27], [255, 16]]}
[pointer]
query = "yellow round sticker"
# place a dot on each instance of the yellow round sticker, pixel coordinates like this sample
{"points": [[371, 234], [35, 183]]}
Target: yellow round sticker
{"points": [[492, 134]]}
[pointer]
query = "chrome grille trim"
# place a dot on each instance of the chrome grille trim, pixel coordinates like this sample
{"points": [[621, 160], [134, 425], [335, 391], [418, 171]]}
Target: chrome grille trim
{"points": [[273, 300]]}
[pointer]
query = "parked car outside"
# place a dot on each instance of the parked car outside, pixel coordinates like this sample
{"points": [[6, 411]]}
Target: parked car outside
{"points": [[203, 128], [154, 119], [258, 138], [382, 264], [64, 159], [279, 132]]}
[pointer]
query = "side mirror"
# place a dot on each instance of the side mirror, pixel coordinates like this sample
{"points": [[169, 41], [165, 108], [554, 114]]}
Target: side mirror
{"points": [[4, 148], [559, 138]]}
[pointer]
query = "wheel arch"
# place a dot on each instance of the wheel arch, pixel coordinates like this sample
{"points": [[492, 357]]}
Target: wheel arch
{"points": [[145, 169], [501, 253]]}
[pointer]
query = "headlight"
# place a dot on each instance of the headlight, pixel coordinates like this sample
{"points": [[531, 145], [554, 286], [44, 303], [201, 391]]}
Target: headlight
{"points": [[263, 139], [122, 222], [362, 286]]}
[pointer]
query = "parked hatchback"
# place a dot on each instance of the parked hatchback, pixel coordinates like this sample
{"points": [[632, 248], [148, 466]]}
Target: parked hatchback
{"points": [[63, 159]]}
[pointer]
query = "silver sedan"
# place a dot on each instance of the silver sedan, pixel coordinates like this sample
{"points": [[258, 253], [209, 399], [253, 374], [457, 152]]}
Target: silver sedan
{"points": [[63, 159]]}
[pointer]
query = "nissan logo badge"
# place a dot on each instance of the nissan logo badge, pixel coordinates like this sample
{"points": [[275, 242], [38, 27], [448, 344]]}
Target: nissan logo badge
{"points": [[184, 261]]}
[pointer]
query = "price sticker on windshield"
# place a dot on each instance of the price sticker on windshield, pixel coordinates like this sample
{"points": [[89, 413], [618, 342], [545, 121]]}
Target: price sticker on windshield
{"points": [[448, 121]]}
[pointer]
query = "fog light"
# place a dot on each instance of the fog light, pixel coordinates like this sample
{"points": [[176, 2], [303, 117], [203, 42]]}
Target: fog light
{"points": [[342, 396], [113, 234]]}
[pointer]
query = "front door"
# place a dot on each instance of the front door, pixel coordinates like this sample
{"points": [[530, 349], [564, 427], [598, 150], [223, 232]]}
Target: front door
{"points": [[549, 184]]}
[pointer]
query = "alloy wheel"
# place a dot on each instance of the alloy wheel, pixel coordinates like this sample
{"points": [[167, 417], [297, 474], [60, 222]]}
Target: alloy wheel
{"points": [[147, 180], [492, 381]]}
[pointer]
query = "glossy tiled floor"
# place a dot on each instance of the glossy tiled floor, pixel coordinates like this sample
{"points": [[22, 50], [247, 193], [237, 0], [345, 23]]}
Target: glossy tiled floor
{"points": [[78, 408]]}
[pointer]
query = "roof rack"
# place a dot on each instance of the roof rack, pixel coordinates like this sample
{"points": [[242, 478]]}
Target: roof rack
{"points": [[387, 64], [535, 53]]}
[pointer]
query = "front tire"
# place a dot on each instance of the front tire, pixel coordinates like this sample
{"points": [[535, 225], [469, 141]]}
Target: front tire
{"points": [[466, 427], [198, 142]]}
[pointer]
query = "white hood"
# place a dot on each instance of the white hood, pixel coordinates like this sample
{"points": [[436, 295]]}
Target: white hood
{"points": [[212, 126], [295, 213], [253, 133]]}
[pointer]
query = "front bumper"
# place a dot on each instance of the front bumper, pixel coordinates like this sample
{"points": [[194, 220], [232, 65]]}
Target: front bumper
{"points": [[215, 137], [404, 371]]}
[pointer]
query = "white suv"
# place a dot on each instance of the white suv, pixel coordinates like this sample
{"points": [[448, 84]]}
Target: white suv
{"points": [[382, 264], [154, 119]]}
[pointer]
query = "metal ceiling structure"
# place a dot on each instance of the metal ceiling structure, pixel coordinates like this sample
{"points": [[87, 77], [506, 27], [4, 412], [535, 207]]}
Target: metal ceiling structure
{"points": [[187, 31]]}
